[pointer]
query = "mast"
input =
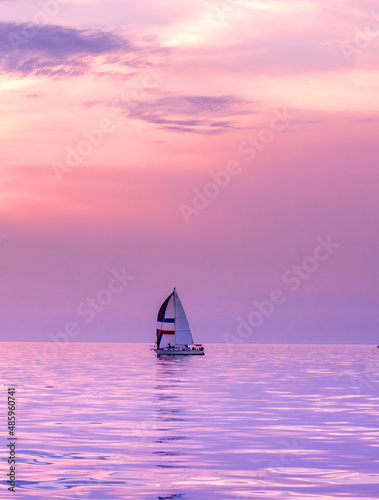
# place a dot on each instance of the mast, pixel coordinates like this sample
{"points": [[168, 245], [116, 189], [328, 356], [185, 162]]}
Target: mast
{"points": [[174, 297]]}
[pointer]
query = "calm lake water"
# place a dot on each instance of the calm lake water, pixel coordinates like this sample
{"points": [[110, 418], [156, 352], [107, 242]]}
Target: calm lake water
{"points": [[113, 421]]}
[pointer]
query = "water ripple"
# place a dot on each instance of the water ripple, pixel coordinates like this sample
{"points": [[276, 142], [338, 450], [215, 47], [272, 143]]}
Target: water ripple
{"points": [[113, 421]]}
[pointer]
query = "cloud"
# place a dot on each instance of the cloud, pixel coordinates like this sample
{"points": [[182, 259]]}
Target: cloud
{"points": [[210, 115], [55, 50]]}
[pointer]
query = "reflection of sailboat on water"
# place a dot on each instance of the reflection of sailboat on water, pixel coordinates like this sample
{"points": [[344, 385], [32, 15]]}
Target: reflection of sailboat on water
{"points": [[173, 442], [172, 497], [173, 332]]}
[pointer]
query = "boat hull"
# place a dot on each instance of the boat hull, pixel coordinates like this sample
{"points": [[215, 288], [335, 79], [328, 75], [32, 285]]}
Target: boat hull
{"points": [[180, 352]]}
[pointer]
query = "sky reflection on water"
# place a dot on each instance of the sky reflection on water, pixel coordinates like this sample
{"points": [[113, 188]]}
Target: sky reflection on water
{"points": [[113, 421]]}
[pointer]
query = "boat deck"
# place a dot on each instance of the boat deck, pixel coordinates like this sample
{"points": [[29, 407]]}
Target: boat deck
{"points": [[175, 351]]}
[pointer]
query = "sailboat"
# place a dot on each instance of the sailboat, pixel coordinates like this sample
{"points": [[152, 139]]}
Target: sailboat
{"points": [[173, 332]]}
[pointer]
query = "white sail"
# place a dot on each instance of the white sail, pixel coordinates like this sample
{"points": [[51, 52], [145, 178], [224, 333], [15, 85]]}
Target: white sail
{"points": [[183, 335], [174, 336]]}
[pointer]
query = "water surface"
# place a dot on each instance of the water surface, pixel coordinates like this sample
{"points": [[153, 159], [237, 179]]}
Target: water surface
{"points": [[113, 421]]}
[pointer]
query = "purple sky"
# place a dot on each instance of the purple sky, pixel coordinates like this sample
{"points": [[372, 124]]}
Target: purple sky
{"points": [[209, 146]]}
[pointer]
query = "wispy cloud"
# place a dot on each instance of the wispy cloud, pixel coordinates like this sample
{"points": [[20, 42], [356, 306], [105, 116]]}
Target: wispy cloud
{"points": [[210, 115], [57, 50]]}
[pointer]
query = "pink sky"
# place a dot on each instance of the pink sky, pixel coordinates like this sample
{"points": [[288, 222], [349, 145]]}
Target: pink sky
{"points": [[181, 92]]}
